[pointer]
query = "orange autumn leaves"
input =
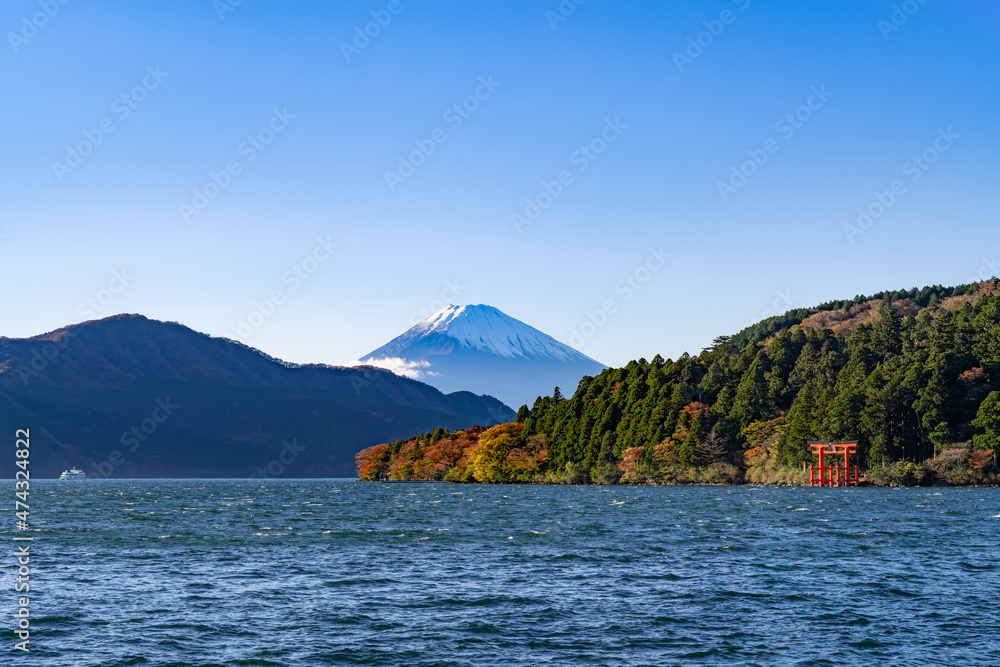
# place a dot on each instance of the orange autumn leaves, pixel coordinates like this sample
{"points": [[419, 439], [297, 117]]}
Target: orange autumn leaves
{"points": [[981, 458], [498, 454], [504, 455], [372, 463]]}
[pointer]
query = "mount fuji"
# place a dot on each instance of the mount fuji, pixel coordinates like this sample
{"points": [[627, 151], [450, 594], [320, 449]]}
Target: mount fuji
{"points": [[482, 350]]}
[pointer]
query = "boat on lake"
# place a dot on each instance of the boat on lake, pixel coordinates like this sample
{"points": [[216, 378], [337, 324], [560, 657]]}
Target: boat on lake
{"points": [[73, 473]]}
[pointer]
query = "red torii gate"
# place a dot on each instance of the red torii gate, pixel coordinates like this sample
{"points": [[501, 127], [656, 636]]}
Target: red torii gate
{"points": [[834, 475]]}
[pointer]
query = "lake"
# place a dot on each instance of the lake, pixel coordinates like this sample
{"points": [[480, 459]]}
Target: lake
{"points": [[339, 572]]}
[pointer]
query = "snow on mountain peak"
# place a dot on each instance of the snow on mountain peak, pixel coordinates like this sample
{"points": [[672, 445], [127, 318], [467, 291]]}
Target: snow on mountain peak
{"points": [[484, 351], [484, 328]]}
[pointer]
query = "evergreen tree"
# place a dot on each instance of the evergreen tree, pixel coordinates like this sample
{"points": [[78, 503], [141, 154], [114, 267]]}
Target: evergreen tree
{"points": [[988, 423], [793, 446], [886, 338], [752, 397], [935, 401]]}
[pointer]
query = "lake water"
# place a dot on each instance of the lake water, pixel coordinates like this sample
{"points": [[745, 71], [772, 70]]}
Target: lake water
{"points": [[334, 572]]}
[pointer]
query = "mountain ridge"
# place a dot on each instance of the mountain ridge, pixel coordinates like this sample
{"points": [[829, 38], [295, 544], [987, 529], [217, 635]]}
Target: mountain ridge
{"points": [[84, 385], [487, 351]]}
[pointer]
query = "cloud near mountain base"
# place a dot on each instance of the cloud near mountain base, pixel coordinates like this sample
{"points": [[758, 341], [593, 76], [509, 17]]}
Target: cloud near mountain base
{"points": [[411, 369]]}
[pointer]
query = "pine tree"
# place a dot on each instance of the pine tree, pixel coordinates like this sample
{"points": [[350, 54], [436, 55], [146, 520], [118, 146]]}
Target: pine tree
{"points": [[987, 423], [934, 402], [752, 396], [886, 338], [793, 445]]}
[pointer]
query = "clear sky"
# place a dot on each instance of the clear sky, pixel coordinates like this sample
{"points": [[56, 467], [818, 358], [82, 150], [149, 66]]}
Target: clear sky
{"points": [[628, 125]]}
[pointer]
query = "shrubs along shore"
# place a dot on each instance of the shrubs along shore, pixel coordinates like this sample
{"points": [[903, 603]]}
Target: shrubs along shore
{"points": [[503, 454]]}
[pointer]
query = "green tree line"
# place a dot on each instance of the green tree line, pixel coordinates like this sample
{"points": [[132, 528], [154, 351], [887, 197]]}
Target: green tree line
{"points": [[910, 374]]}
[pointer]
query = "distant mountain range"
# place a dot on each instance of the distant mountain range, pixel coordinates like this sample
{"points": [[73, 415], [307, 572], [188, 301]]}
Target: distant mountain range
{"points": [[132, 397], [482, 350]]}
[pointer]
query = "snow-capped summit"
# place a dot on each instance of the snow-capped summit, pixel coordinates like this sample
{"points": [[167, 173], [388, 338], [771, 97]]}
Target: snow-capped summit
{"points": [[481, 349], [486, 329]]}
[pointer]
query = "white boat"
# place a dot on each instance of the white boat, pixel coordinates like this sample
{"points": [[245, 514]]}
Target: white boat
{"points": [[73, 473]]}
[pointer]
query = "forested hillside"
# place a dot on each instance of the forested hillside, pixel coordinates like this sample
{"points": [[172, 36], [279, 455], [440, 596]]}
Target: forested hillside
{"points": [[912, 375]]}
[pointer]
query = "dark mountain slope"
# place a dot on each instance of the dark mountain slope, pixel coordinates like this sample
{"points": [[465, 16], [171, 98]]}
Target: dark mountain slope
{"points": [[128, 396]]}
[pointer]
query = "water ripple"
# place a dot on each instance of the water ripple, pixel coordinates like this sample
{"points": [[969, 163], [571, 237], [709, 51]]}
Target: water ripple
{"points": [[304, 573]]}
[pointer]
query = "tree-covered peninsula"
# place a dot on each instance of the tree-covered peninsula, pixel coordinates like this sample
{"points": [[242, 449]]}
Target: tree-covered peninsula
{"points": [[912, 375]]}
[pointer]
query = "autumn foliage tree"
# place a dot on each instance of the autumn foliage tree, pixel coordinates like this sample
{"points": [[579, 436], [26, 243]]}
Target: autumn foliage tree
{"points": [[499, 454], [373, 462], [631, 465], [491, 461]]}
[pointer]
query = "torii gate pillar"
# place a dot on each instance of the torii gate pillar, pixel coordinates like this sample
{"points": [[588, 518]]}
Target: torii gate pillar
{"points": [[834, 475]]}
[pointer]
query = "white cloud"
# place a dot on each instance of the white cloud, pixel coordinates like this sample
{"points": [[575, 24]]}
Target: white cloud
{"points": [[399, 366]]}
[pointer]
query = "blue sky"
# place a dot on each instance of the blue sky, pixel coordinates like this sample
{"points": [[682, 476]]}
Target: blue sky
{"points": [[641, 136]]}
